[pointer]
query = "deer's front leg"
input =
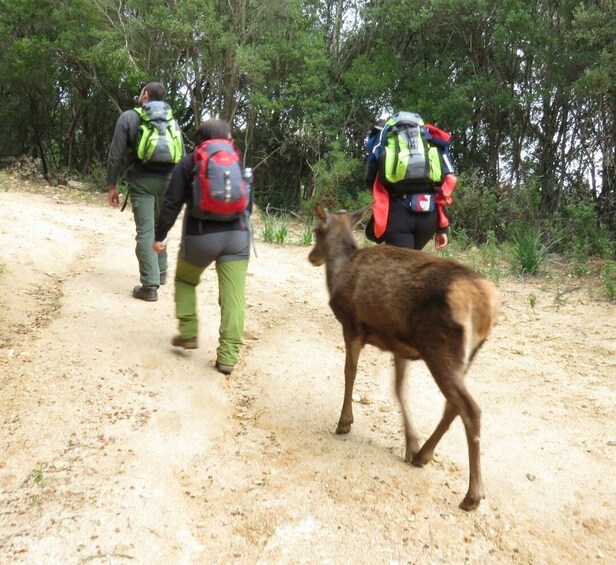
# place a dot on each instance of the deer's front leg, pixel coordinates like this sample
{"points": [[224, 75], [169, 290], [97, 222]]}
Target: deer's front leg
{"points": [[353, 347]]}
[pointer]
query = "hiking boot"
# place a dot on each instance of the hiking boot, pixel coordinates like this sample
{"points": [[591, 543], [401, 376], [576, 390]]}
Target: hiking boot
{"points": [[186, 343], [163, 277], [224, 369], [147, 293]]}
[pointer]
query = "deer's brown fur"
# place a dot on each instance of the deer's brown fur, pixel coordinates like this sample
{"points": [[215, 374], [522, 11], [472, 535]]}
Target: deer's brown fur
{"points": [[418, 306]]}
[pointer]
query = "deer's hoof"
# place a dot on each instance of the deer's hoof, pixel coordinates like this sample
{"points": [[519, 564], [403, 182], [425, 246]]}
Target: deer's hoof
{"points": [[420, 459], [343, 427], [471, 502]]}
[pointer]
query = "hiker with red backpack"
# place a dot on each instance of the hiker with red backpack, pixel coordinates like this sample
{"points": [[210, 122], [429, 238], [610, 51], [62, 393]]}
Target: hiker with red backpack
{"points": [[410, 173], [146, 145], [216, 191]]}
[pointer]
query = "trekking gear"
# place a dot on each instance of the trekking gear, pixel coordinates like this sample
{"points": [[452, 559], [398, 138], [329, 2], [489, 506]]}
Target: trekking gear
{"points": [[407, 161], [160, 138], [147, 293], [224, 369], [419, 202], [185, 342], [220, 191]]}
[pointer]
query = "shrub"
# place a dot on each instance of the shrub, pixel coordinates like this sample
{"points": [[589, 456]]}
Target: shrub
{"points": [[581, 233], [608, 279], [527, 250], [275, 229], [269, 228], [475, 208]]}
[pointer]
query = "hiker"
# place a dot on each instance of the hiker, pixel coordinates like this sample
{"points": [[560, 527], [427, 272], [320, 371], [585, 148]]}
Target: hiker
{"points": [[213, 231], [146, 145], [408, 212]]}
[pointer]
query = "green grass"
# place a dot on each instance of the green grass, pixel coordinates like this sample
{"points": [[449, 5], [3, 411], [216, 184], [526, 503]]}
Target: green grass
{"points": [[528, 250], [276, 229], [307, 236]]}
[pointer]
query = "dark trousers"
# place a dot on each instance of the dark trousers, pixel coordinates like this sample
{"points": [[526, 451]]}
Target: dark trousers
{"points": [[409, 229]]}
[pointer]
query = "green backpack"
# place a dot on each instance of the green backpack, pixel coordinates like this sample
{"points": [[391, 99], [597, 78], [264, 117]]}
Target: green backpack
{"points": [[160, 138], [407, 162]]}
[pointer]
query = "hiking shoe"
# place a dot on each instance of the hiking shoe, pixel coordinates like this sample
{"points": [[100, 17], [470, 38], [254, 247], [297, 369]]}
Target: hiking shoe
{"points": [[186, 343], [147, 293], [224, 369], [163, 277]]}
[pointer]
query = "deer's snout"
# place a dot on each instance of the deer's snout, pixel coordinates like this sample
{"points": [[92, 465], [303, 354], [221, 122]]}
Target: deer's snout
{"points": [[316, 258]]}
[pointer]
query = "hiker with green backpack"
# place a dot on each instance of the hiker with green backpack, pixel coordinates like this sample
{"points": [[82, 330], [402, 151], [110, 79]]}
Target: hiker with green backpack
{"points": [[146, 145], [410, 173]]}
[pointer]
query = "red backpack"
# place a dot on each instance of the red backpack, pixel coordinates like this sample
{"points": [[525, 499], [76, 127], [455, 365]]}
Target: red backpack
{"points": [[219, 189]]}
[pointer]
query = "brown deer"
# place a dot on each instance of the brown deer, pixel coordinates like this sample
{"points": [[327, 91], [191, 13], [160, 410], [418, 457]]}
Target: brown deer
{"points": [[418, 306]]}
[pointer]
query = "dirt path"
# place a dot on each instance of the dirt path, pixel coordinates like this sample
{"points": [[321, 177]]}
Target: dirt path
{"points": [[119, 449]]}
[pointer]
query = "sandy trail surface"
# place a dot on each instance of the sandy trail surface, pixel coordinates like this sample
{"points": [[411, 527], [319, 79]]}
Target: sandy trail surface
{"points": [[118, 448]]}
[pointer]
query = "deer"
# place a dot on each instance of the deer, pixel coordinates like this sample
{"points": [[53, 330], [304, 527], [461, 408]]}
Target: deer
{"points": [[417, 306]]}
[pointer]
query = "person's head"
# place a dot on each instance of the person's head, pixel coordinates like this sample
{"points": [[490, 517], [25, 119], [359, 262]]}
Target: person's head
{"points": [[212, 129], [152, 91]]}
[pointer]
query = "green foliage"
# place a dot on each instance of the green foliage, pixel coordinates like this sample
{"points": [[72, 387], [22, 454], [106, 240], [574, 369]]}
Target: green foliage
{"points": [[581, 234], [608, 279], [275, 229], [269, 229], [526, 89], [282, 231], [475, 209], [486, 258], [334, 177], [532, 301], [307, 236], [527, 250], [38, 476]]}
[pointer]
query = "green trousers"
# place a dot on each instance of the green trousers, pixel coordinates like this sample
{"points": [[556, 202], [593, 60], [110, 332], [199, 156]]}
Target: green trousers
{"points": [[231, 298], [147, 195]]}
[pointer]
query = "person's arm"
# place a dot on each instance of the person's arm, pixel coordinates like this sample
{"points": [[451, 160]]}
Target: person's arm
{"points": [[372, 168], [120, 145], [175, 197]]}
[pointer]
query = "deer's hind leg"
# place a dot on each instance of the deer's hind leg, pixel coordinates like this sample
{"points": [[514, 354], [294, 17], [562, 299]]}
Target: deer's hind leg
{"points": [[459, 401], [410, 435], [425, 454]]}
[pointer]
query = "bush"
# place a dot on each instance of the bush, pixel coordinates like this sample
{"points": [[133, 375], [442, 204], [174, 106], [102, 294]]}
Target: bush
{"points": [[475, 209], [608, 279], [581, 233], [275, 229], [527, 250]]}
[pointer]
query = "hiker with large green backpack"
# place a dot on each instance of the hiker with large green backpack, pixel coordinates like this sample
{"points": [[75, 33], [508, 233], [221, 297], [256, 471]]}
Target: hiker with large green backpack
{"points": [[410, 173], [146, 145]]}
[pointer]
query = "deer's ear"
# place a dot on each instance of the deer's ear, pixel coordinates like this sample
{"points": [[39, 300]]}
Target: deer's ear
{"points": [[320, 213], [359, 214]]}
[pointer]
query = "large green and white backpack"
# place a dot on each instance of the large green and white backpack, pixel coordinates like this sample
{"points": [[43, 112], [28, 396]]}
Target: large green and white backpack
{"points": [[407, 162], [160, 138]]}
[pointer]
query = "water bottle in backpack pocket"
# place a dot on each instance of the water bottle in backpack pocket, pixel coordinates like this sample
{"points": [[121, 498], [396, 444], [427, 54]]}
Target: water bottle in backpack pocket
{"points": [[220, 192]]}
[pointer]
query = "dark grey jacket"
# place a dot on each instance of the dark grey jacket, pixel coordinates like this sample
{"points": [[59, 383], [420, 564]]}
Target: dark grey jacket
{"points": [[122, 160]]}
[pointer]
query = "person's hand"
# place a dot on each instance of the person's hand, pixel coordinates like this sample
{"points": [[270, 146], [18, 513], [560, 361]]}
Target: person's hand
{"points": [[113, 197], [158, 247], [440, 241]]}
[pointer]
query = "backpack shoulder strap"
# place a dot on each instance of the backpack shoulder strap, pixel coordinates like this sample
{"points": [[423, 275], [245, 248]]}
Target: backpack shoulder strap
{"points": [[142, 114]]}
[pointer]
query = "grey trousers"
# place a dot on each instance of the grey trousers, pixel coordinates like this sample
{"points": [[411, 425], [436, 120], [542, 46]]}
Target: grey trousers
{"points": [[146, 195]]}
